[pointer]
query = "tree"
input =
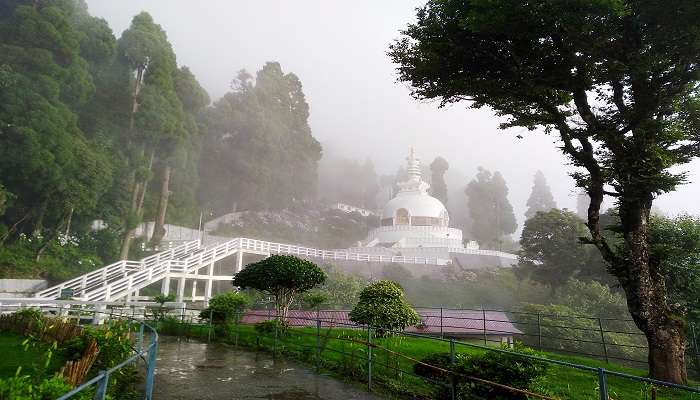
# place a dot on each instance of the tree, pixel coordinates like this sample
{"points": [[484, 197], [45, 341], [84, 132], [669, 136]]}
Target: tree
{"points": [[226, 307], [340, 290], [553, 253], [438, 187], [541, 197], [383, 306], [490, 210], [258, 151], [617, 80], [281, 276]]}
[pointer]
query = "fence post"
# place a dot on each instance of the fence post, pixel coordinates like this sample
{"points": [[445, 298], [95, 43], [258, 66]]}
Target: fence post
{"points": [[539, 331], [369, 358], [483, 313], [101, 390], [453, 388], [211, 318], [602, 384], [442, 336], [274, 344], [318, 342], [602, 338], [150, 371]]}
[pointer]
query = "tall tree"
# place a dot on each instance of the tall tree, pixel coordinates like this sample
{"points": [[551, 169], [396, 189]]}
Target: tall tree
{"points": [[491, 212], [438, 187], [49, 165], [552, 252], [616, 79], [540, 198], [156, 116], [258, 151]]}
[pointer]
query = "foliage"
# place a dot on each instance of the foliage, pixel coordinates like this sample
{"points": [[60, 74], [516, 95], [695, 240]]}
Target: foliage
{"points": [[340, 290], [258, 151], [226, 307], [614, 79], [570, 323], [281, 276], [503, 368], [489, 208], [383, 306], [63, 258], [270, 326], [23, 388], [540, 199], [675, 248], [315, 300], [438, 187], [553, 253]]}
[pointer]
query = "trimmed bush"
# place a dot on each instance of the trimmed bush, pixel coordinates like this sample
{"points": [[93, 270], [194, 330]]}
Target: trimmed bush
{"points": [[383, 306], [226, 308]]}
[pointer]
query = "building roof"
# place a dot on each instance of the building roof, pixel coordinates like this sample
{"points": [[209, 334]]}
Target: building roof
{"points": [[417, 204], [454, 322]]}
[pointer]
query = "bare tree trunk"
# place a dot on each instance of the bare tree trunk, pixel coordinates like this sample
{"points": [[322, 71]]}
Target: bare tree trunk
{"points": [[159, 225], [39, 224], [135, 95], [129, 231], [646, 293], [70, 219]]}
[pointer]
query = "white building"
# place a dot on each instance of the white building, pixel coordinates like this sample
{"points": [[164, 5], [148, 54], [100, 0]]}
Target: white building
{"points": [[415, 224]]}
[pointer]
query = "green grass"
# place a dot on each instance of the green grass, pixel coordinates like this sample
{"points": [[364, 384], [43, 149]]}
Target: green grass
{"points": [[31, 360], [346, 358]]}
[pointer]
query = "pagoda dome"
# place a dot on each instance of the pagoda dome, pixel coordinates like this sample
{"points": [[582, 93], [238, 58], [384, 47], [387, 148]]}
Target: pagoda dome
{"points": [[412, 204]]}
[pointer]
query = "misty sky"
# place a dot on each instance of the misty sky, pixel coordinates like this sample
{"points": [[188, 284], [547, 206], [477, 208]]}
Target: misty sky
{"points": [[338, 50]]}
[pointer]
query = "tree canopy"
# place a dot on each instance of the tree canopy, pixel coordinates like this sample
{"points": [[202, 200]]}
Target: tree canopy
{"points": [[258, 151], [438, 187], [491, 212], [383, 306], [616, 80], [541, 198], [281, 276]]}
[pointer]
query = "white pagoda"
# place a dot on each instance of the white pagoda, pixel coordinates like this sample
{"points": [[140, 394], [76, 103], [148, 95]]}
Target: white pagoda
{"points": [[414, 223]]}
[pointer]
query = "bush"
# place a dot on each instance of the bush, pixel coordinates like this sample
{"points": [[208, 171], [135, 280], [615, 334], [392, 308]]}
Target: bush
{"points": [[226, 307], [268, 327], [383, 305], [503, 368], [23, 388]]}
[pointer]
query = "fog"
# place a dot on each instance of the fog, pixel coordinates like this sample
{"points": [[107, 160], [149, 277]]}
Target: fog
{"points": [[357, 109]]}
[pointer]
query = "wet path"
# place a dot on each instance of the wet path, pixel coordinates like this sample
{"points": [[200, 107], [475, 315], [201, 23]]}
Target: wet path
{"points": [[194, 370]]}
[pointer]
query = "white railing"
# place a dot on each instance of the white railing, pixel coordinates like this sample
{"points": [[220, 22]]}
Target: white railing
{"points": [[114, 271], [124, 277]]}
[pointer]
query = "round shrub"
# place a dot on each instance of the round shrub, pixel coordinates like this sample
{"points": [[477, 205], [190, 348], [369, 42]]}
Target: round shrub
{"points": [[383, 306]]}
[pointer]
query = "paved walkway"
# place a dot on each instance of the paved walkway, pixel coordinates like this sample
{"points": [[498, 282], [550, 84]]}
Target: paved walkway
{"points": [[194, 370]]}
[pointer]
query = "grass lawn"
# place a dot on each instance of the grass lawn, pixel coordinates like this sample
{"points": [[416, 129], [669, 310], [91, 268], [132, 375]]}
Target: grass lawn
{"points": [[346, 358], [13, 356]]}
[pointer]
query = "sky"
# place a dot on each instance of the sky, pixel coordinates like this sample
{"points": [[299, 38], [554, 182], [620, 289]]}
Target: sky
{"points": [[358, 110]]}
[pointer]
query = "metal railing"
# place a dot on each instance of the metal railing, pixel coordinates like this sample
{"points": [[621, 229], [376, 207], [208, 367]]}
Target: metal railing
{"points": [[140, 350], [195, 326]]}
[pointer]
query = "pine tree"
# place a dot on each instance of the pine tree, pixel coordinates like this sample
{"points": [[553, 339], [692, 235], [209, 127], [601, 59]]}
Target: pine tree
{"points": [[541, 197], [491, 212], [438, 187]]}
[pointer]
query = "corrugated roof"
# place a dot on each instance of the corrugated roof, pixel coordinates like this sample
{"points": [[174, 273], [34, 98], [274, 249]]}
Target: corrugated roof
{"points": [[454, 322]]}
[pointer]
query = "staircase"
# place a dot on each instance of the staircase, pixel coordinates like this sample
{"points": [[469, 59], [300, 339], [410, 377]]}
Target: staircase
{"points": [[116, 272], [123, 278]]}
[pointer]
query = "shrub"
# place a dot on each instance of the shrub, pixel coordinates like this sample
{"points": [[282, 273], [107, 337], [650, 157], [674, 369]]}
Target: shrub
{"points": [[267, 327], [226, 308], [383, 305], [23, 388], [506, 369]]}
